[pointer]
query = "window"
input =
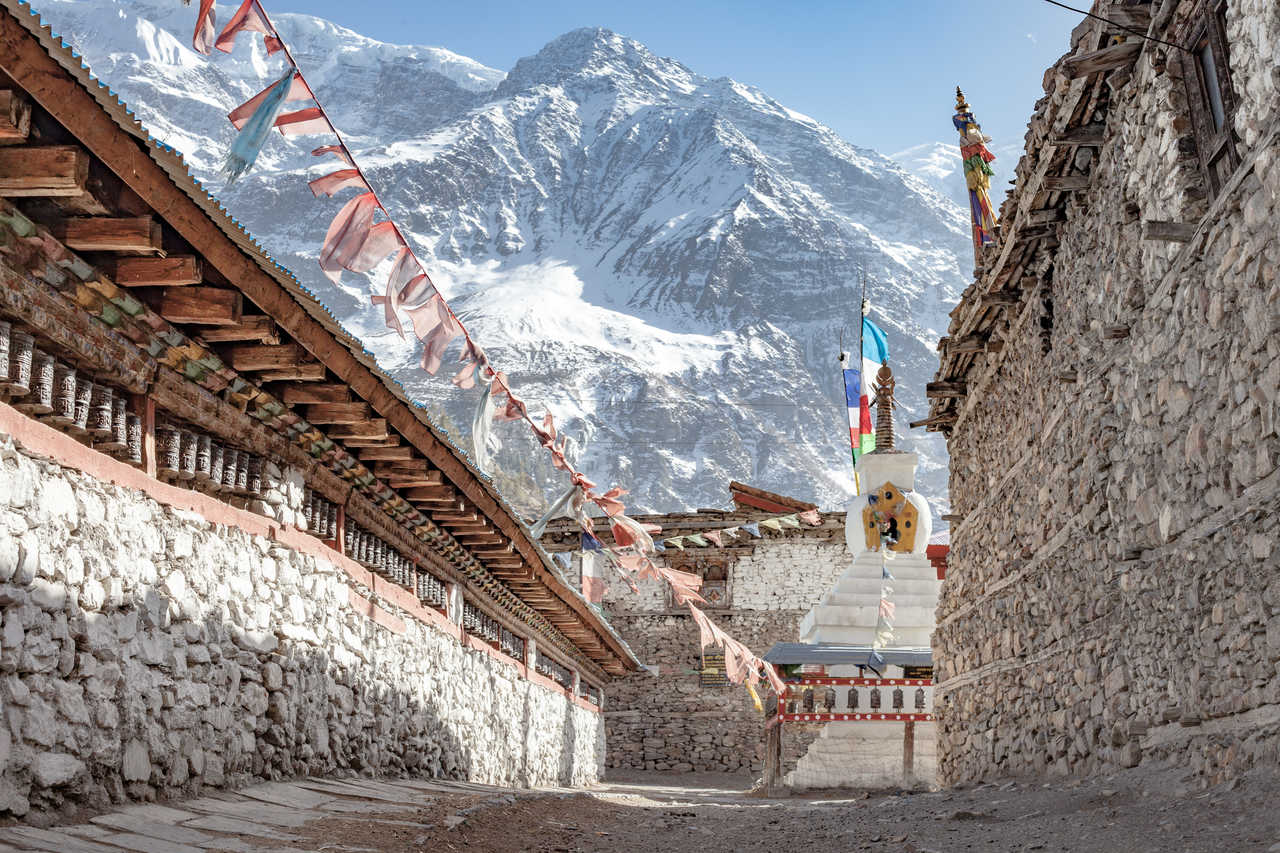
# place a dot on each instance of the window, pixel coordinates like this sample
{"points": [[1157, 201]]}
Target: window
{"points": [[1206, 71]]}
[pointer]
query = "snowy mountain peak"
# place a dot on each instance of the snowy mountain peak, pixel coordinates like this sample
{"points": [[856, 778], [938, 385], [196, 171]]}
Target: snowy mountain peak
{"points": [[663, 260]]}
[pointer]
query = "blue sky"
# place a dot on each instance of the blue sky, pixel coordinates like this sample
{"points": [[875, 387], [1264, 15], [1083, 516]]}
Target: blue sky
{"points": [[882, 74]]}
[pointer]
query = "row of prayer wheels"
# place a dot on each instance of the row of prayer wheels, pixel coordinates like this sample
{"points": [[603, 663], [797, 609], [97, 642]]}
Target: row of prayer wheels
{"points": [[380, 557], [187, 456], [557, 673], [321, 515], [56, 393], [511, 644], [477, 623]]}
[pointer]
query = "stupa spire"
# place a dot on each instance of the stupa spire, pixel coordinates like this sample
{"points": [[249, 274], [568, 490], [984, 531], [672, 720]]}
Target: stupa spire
{"points": [[884, 408]]}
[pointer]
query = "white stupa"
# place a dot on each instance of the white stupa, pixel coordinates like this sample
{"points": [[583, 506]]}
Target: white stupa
{"points": [[887, 530]]}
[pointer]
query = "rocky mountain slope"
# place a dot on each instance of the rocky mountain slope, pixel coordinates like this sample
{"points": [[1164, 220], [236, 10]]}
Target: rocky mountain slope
{"points": [[664, 259]]}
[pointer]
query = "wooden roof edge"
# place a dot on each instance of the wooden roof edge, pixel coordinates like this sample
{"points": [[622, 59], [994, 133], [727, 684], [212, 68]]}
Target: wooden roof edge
{"points": [[737, 489], [257, 274]]}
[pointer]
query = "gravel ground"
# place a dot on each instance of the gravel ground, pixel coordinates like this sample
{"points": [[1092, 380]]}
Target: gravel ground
{"points": [[1135, 811]]}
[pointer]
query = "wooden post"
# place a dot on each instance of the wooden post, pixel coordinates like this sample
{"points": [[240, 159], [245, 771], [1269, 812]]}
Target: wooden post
{"points": [[909, 753], [772, 755], [340, 530], [145, 408]]}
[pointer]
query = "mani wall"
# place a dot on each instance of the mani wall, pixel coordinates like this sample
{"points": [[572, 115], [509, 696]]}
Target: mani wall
{"points": [[157, 642], [1113, 595], [671, 721]]}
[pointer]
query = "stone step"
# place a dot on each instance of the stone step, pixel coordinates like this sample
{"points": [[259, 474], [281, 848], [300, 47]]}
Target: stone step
{"points": [[138, 825], [909, 637], [906, 614]]}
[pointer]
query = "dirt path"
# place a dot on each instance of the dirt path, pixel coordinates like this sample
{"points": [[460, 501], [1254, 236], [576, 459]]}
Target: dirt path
{"points": [[1133, 812]]}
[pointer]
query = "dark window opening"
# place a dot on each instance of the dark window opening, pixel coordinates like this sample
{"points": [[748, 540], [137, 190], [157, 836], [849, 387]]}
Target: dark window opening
{"points": [[1210, 95]]}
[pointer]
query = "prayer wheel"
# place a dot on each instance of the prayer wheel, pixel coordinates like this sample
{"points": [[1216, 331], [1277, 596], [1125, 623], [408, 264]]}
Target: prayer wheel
{"points": [[242, 472], [254, 483], [101, 412], [5, 331], [216, 452], [230, 459], [204, 451], [168, 451], [119, 439], [19, 362], [83, 402], [133, 438], [187, 455], [64, 395]]}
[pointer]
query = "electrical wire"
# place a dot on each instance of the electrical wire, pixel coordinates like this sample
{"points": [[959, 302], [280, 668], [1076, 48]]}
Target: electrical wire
{"points": [[1137, 33]]}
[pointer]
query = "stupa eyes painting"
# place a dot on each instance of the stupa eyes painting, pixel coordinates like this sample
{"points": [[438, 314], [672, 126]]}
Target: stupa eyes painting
{"points": [[889, 519]]}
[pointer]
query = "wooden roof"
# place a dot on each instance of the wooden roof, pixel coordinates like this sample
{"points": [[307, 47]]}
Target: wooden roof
{"points": [[749, 497], [239, 324], [1070, 118]]}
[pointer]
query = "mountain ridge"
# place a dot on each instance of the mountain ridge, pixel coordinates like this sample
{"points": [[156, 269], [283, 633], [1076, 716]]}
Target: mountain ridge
{"points": [[664, 259]]}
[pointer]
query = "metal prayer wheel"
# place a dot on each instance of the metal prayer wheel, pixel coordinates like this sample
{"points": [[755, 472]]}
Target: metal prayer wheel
{"points": [[254, 482], [168, 451], [18, 362], [64, 395], [186, 454], [331, 520], [5, 330], [230, 459], [309, 510], [242, 472], [133, 438], [215, 465], [204, 448], [83, 400], [39, 399], [100, 412], [119, 438]]}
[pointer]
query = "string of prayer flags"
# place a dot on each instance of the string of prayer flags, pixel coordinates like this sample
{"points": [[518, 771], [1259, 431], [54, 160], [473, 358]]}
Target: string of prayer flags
{"points": [[714, 536], [811, 516], [557, 509], [434, 325], [248, 18], [731, 532], [789, 521], [752, 528], [298, 90], [771, 523], [696, 539], [253, 133], [676, 542]]}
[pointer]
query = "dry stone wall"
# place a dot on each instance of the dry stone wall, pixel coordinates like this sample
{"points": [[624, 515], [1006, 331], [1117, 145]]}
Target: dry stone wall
{"points": [[147, 653], [1113, 592], [670, 721]]}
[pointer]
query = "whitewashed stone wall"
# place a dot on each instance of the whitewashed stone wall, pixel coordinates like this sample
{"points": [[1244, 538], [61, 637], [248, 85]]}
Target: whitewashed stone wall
{"points": [[788, 575], [146, 653], [1113, 594]]}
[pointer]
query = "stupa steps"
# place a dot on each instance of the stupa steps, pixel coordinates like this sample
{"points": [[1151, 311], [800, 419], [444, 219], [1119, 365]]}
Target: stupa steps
{"points": [[903, 637]]}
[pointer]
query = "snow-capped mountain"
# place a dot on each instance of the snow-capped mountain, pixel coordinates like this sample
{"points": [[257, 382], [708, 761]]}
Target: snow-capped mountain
{"points": [[665, 260], [938, 164]]}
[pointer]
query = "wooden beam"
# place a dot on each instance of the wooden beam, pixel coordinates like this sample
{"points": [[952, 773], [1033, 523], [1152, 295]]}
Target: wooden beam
{"points": [[382, 453], [418, 467], [340, 413], [171, 271], [252, 328], [429, 493], [43, 171], [1089, 134], [1172, 232], [941, 390], [1000, 298], [455, 517], [1114, 333], [405, 481], [312, 371], [254, 357], [977, 342], [110, 234], [354, 441], [1106, 59], [935, 420], [15, 117], [1045, 216], [202, 306], [1065, 183], [372, 428], [480, 539], [332, 392]]}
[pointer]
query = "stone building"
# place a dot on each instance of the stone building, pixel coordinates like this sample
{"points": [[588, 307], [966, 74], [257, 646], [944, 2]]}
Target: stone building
{"points": [[681, 715], [1109, 388], [230, 547]]}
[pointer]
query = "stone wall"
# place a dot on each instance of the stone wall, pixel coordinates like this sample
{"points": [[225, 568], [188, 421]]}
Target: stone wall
{"points": [[147, 652], [1113, 593], [671, 722]]}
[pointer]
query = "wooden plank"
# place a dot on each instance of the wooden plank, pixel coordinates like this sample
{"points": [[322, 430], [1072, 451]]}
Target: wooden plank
{"points": [[383, 453], [480, 539], [331, 392], [1044, 217], [43, 171], [372, 428], [203, 306], [1114, 333], [977, 342], [1065, 183], [429, 493], [110, 234], [420, 467], [404, 481], [909, 752], [939, 390], [340, 413], [311, 371], [1089, 134], [934, 420], [255, 357], [354, 441], [251, 328], [15, 117], [171, 271], [459, 517], [1106, 59], [1001, 298], [1172, 232]]}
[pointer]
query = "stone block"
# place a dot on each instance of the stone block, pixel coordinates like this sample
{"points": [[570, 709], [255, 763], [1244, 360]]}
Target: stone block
{"points": [[54, 769]]}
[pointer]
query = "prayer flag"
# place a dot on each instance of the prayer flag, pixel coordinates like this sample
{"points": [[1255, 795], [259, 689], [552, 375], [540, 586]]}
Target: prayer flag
{"points": [[977, 174], [858, 387]]}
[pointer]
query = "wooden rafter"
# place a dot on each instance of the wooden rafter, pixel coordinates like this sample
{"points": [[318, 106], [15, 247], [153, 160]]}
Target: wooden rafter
{"points": [[204, 306], [250, 328], [111, 234], [170, 271], [43, 171]]}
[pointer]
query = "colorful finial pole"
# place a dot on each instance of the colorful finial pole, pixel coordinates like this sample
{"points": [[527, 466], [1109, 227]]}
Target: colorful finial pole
{"points": [[977, 174]]}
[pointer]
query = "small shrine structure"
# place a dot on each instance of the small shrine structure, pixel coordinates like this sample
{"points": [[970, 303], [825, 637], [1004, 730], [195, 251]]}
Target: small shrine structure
{"points": [[863, 667]]}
